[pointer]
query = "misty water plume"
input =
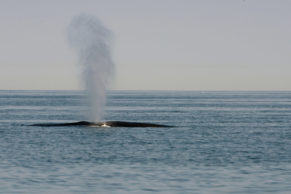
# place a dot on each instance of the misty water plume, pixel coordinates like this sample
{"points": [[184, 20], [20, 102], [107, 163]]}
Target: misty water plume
{"points": [[92, 42]]}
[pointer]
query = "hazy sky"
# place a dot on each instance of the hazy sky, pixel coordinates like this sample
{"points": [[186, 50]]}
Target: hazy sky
{"points": [[158, 44]]}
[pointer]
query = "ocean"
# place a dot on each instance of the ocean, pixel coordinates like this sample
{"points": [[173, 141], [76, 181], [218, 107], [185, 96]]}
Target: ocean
{"points": [[222, 142]]}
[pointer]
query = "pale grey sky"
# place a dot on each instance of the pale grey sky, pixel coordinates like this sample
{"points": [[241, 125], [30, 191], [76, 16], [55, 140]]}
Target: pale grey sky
{"points": [[158, 45]]}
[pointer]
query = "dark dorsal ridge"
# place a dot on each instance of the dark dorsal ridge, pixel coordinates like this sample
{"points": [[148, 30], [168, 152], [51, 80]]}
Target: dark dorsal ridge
{"points": [[101, 124]]}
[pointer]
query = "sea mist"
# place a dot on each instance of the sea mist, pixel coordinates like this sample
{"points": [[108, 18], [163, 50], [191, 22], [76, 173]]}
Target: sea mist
{"points": [[92, 42]]}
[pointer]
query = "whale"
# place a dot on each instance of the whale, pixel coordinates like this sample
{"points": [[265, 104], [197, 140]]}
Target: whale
{"points": [[101, 124]]}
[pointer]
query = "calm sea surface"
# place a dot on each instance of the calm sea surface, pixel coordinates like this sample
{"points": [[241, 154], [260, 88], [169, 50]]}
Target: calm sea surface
{"points": [[223, 142]]}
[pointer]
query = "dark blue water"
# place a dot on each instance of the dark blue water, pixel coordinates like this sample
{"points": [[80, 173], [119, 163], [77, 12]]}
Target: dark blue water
{"points": [[224, 142]]}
